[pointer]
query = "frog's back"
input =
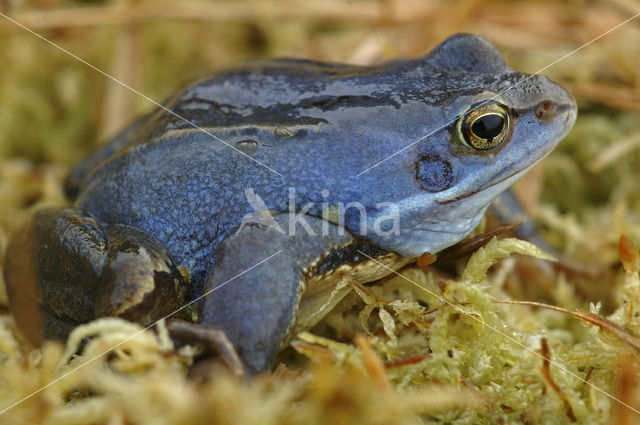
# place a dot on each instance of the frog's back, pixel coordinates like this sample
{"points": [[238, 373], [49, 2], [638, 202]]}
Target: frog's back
{"points": [[180, 174], [174, 181], [278, 93], [270, 94]]}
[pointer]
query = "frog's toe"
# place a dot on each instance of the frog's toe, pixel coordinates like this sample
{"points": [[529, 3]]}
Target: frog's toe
{"points": [[63, 269], [214, 341]]}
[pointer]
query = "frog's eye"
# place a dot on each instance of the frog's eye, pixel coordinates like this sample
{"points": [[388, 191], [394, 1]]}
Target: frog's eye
{"points": [[485, 126]]}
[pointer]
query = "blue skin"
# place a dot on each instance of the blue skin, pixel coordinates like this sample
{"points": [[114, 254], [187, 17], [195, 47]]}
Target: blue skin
{"points": [[319, 125]]}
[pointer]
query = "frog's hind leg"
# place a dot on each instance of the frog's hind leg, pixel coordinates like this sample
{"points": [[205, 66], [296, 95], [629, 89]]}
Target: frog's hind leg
{"points": [[63, 269]]}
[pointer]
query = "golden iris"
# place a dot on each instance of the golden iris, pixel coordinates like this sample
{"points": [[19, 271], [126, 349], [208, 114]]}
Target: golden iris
{"points": [[485, 126]]}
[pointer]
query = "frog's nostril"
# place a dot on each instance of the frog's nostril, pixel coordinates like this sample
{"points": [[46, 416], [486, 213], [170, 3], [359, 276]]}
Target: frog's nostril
{"points": [[542, 109]]}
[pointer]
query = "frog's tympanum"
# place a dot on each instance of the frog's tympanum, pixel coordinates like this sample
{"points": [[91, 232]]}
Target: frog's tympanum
{"points": [[157, 213]]}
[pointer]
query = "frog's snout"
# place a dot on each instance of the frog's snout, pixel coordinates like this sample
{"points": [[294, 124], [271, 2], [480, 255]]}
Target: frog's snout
{"points": [[547, 111], [543, 109], [559, 108]]}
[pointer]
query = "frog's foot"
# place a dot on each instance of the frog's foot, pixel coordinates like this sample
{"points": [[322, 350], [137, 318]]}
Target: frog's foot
{"points": [[213, 340], [63, 269]]}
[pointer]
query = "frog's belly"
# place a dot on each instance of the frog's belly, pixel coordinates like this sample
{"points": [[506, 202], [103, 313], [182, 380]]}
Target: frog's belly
{"points": [[323, 292]]}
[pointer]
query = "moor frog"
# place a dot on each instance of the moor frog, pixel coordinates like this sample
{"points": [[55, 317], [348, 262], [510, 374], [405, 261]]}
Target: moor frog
{"points": [[344, 163]]}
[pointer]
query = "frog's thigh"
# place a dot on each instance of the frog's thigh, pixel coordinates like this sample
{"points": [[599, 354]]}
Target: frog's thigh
{"points": [[64, 269], [255, 303]]}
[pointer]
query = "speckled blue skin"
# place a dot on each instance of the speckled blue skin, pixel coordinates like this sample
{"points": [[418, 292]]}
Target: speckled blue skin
{"points": [[322, 127], [186, 189]]}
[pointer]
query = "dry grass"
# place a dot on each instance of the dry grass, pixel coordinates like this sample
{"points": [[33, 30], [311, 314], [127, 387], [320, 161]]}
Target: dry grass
{"points": [[409, 364]]}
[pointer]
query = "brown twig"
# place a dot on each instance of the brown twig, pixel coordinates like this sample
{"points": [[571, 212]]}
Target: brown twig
{"points": [[625, 393], [406, 361], [469, 246], [591, 318], [372, 364], [131, 14], [118, 105], [546, 374]]}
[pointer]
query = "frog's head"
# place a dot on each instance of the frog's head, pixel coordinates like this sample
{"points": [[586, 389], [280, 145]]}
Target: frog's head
{"points": [[495, 125]]}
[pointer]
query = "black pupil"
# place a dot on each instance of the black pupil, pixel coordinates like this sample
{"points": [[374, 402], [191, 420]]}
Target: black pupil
{"points": [[488, 126]]}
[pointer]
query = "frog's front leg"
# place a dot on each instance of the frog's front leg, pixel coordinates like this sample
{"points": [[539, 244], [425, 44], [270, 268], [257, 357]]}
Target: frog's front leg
{"points": [[63, 269], [255, 287]]}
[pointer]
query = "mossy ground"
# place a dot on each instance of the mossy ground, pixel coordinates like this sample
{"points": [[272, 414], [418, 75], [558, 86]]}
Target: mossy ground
{"points": [[382, 357]]}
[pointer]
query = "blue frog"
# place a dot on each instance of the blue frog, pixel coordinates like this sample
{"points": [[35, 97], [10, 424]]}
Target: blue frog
{"points": [[267, 184]]}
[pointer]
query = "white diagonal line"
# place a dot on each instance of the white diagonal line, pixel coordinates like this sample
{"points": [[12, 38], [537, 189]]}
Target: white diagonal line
{"points": [[134, 335], [138, 93], [510, 338], [502, 92]]}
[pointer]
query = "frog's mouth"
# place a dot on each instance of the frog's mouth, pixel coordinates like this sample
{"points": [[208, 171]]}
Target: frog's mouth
{"points": [[502, 184]]}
